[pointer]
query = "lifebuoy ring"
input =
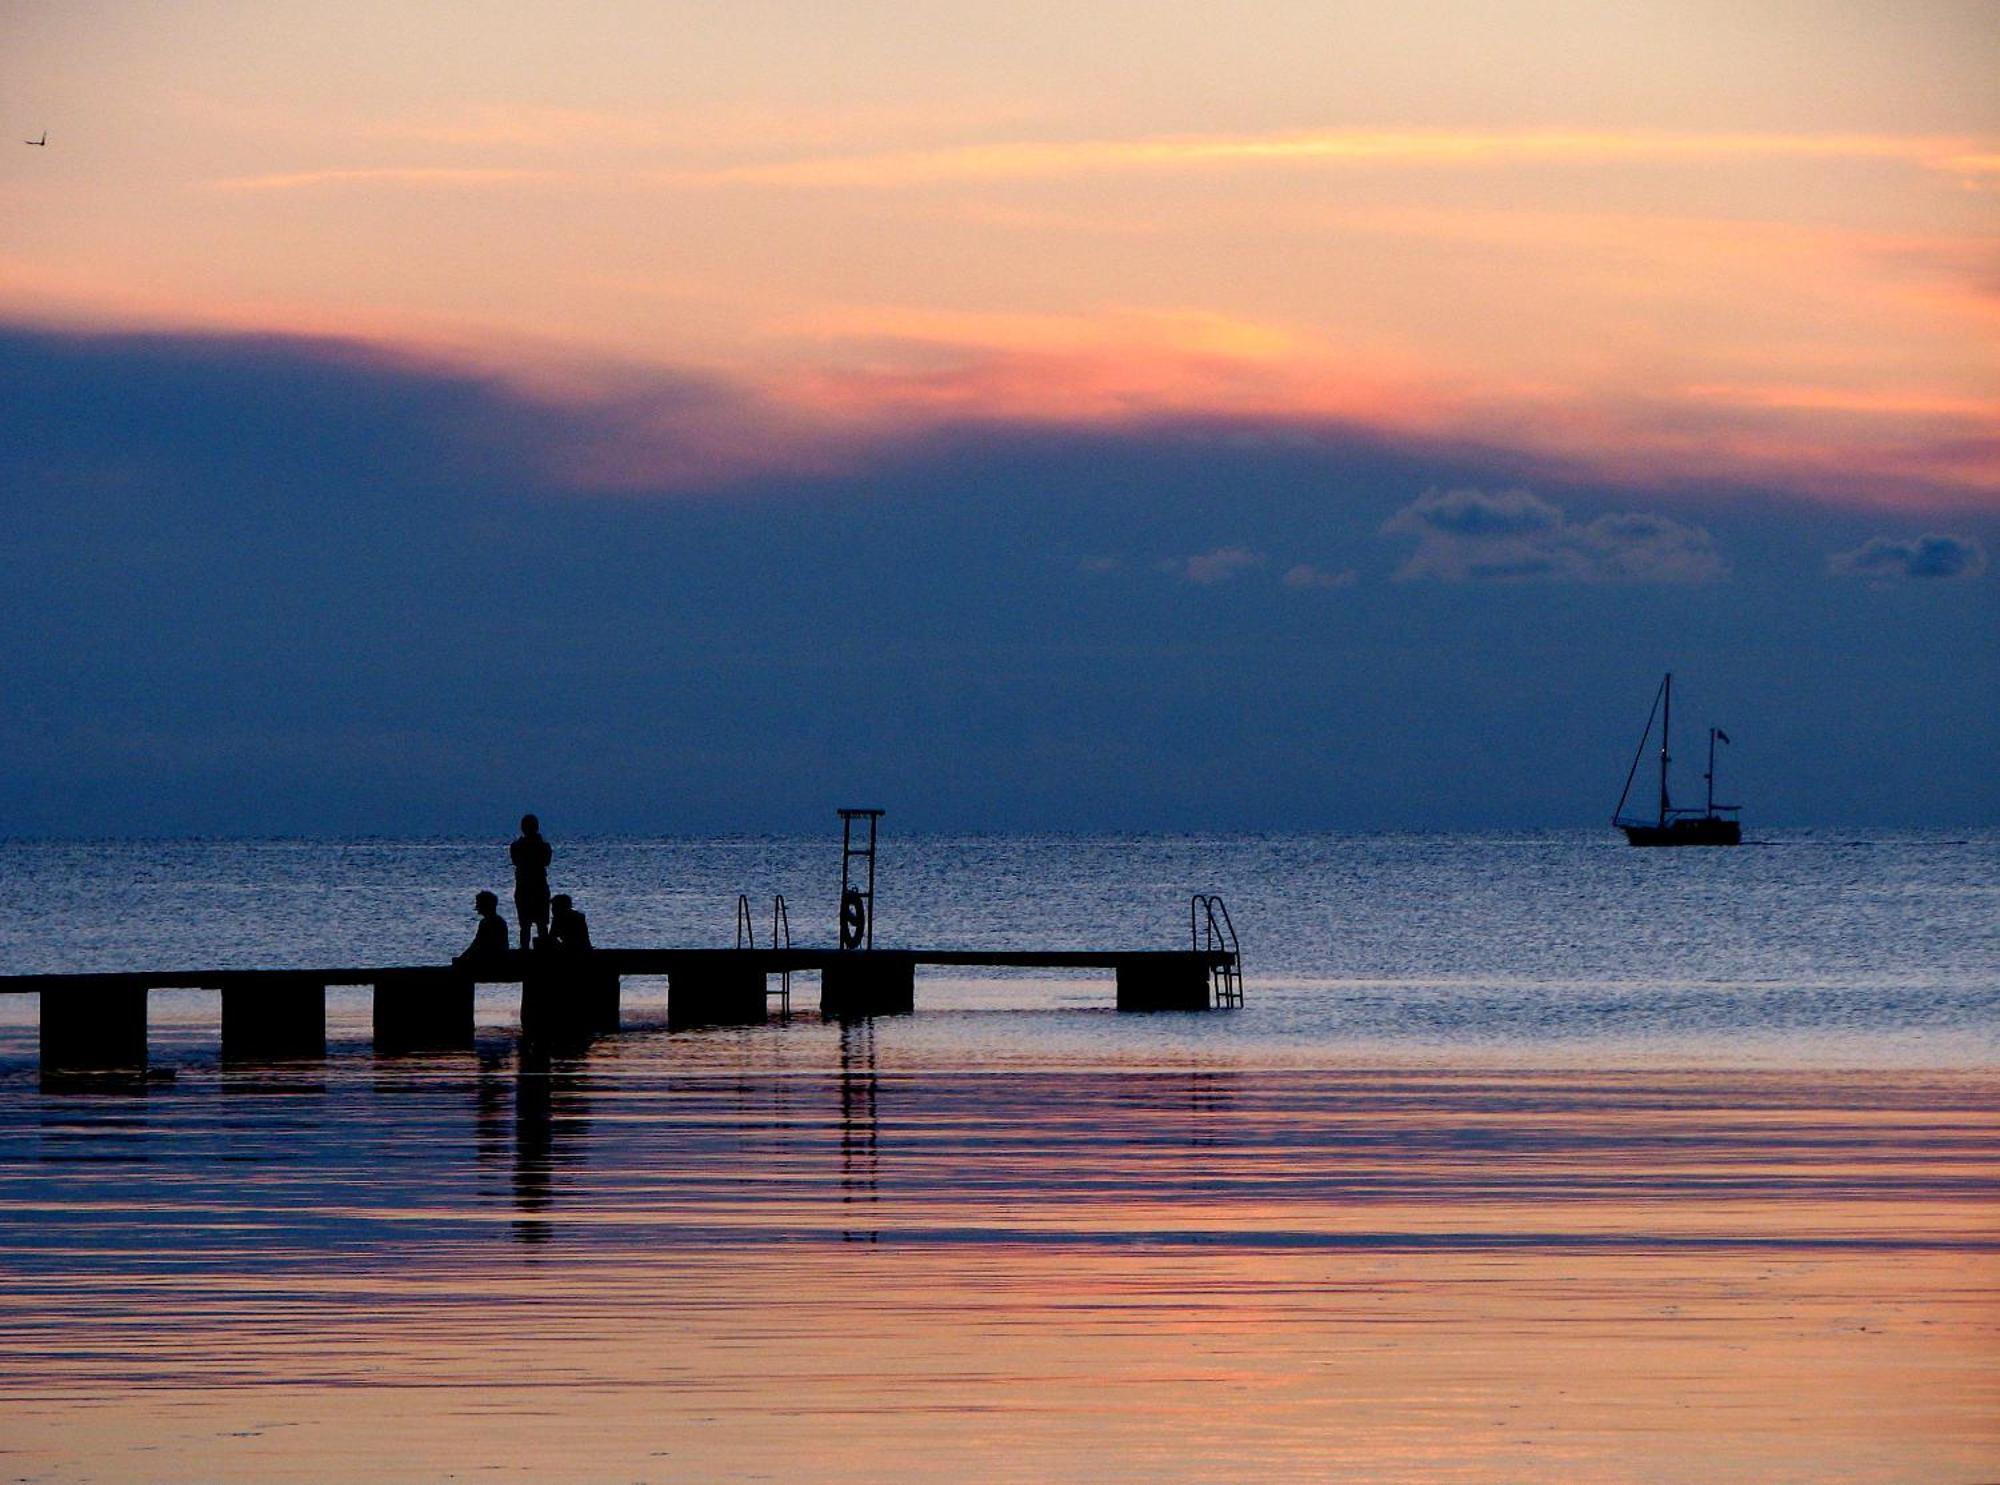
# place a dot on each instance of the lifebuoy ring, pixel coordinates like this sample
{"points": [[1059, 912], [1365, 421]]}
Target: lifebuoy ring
{"points": [[853, 919]]}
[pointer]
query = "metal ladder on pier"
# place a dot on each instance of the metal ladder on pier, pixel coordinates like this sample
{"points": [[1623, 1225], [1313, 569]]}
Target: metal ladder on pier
{"points": [[781, 938], [1210, 931]]}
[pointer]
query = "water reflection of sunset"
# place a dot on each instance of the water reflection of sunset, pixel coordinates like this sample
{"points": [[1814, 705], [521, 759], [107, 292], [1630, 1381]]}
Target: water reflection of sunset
{"points": [[1191, 1273]]}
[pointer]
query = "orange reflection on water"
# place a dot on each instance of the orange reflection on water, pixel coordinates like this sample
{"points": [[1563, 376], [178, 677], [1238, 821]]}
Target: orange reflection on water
{"points": [[675, 1258]]}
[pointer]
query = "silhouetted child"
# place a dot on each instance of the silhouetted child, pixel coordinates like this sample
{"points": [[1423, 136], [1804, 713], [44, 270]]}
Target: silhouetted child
{"points": [[530, 854], [492, 937], [569, 930]]}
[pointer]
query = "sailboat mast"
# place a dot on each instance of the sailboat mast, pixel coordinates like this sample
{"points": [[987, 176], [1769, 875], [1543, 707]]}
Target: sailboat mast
{"points": [[1710, 775], [1666, 732]]}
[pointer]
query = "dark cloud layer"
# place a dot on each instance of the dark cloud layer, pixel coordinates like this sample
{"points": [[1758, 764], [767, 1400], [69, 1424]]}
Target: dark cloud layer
{"points": [[271, 586], [1889, 558]]}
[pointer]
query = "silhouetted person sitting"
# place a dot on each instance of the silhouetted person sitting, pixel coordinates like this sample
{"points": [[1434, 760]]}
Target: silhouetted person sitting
{"points": [[492, 939], [569, 930], [530, 855]]}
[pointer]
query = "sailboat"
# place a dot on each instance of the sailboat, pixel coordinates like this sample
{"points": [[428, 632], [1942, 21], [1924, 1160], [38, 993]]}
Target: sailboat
{"points": [[1713, 825]]}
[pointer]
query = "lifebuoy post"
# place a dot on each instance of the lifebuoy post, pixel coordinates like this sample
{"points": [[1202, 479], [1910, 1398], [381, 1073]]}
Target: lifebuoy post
{"points": [[863, 981], [857, 879]]}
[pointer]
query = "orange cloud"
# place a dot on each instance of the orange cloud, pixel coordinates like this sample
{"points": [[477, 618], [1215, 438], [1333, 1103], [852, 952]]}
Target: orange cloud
{"points": [[881, 377], [453, 177], [1107, 383], [1168, 330], [1341, 147], [824, 418], [830, 388], [714, 124], [1972, 410]]}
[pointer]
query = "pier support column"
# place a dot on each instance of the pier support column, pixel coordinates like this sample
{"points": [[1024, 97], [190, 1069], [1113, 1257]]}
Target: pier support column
{"points": [[722, 994], [1163, 982], [568, 1002], [868, 982], [599, 991], [95, 1030], [274, 1020], [423, 1010]]}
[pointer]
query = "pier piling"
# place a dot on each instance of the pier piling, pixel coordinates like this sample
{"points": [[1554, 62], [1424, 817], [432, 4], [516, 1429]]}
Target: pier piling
{"points": [[274, 1019], [568, 1003], [1163, 982], [98, 1029], [423, 1010], [728, 992], [868, 982]]}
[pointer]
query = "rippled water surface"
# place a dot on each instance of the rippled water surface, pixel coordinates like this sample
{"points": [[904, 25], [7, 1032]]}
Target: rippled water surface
{"points": [[1534, 1158]]}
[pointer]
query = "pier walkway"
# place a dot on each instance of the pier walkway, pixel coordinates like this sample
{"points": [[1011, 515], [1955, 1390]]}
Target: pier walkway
{"points": [[98, 1021]]}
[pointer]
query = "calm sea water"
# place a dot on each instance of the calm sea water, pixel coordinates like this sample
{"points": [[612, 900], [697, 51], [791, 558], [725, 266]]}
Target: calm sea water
{"points": [[1528, 1157], [1802, 948]]}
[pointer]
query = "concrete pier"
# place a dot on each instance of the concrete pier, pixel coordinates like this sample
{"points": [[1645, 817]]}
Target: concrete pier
{"points": [[96, 1022], [1165, 982], [279, 1018], [97, 1029], [566, 1002], [725, 991], [423, 1010], [868, 982]]}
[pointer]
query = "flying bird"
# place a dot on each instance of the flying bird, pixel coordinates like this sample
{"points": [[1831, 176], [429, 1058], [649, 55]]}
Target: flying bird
{"points": [[43, 140]]}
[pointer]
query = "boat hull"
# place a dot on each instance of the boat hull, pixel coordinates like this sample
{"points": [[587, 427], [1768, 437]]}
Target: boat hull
{"points": [[1710, 830]]}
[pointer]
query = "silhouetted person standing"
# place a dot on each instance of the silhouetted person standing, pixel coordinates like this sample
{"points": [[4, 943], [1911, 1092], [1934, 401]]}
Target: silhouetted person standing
{"points": [[569, 930], [492, 938], [531, 854]]}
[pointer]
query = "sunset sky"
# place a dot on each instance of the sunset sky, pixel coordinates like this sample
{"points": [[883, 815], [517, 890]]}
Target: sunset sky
{"points": [[1310, 335]]}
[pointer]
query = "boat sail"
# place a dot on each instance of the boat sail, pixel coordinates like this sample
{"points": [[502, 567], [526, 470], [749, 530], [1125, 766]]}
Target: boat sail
{"points": [[1713, 825]]}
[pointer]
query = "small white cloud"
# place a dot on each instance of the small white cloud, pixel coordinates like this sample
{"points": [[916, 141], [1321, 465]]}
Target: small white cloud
{"points": [[1305, 575], [1470, 535], [1887, 559], [1218, 566]]}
